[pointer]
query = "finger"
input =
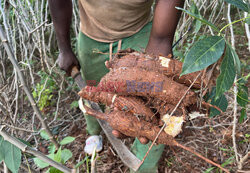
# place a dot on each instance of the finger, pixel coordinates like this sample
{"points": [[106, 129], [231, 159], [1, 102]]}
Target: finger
{"points": [[143, 140], [118, 134]]}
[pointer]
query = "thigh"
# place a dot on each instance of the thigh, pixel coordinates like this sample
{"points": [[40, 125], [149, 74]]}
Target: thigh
{"points": [[92, 57]]}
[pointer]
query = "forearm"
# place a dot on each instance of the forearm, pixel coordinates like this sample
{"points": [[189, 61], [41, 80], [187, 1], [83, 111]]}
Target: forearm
{"points": [[61, 13], [165, 21]]}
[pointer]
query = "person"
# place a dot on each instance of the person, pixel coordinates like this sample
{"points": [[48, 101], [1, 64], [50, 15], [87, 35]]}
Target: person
{"points": [[109, 26]]}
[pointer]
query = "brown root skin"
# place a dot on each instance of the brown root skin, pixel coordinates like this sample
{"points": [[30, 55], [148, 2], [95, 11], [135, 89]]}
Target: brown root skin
{"points": [[153, 63], [139, 82], [127, 104], [129, 125]]}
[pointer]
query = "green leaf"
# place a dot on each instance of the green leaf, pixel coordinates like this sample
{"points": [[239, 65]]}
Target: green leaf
{"points": [[66, 155], [54, 170], [221, 103], [209, 170], [242, 96], [1, 149], [199, 18], [227, 74], [197, 22], [58, 155], [44, 135], [239, 4], [237, 63], [41, 164], [74, 104], [52, 148], [12, 156], [243, 115], [67, 140], [204, 53], [228, 161]]}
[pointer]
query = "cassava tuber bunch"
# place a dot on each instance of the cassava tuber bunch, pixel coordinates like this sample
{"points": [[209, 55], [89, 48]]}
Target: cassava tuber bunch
{"points": [[140, 89]]}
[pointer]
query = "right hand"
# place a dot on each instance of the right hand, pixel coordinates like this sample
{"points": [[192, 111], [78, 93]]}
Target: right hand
{"points": [[67, 60]]}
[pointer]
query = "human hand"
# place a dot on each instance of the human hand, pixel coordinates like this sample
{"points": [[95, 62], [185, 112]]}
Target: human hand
{"points": [[67, 60], [119, 135]]}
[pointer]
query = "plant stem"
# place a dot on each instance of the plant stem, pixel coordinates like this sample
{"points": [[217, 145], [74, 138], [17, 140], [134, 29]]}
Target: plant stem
{"points": [[232, 24]]}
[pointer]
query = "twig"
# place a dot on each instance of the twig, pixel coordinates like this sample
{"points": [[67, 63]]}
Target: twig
{"points": [[242, 160], [32, 151], [18, 128], [27, 91]]}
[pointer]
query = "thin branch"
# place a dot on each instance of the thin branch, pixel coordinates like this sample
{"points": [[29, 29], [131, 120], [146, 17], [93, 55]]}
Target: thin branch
{"points": [[235, 91]]}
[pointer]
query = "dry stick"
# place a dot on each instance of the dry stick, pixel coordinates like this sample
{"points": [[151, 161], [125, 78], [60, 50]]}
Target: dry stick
{"points": [[243, 159], [178, 144], [235, 91], [32, 151], [25, 88]]}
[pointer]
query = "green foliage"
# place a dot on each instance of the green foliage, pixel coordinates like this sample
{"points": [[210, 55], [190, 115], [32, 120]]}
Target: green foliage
{"points": [[204, 53], [67, 140], [227, 73], [209, 50], [44, 90], [242, 99], [200, 18], [197, 23], [45, 98], [10, 154], [239, 4], [61, 156], [221, 102], [74, 104]]}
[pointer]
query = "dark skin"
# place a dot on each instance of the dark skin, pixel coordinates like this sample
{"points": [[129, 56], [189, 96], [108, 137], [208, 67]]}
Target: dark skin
{"points": [[165, 20]]}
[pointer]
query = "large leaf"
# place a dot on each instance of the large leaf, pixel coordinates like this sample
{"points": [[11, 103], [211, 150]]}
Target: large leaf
{"points": [[239, 4], [1, 149], [204, 53], [12, 156], [227, 74], [199, 18]]}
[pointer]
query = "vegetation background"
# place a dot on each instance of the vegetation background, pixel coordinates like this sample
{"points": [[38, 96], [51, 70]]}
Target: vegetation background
{"points": [[30, 34]]}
